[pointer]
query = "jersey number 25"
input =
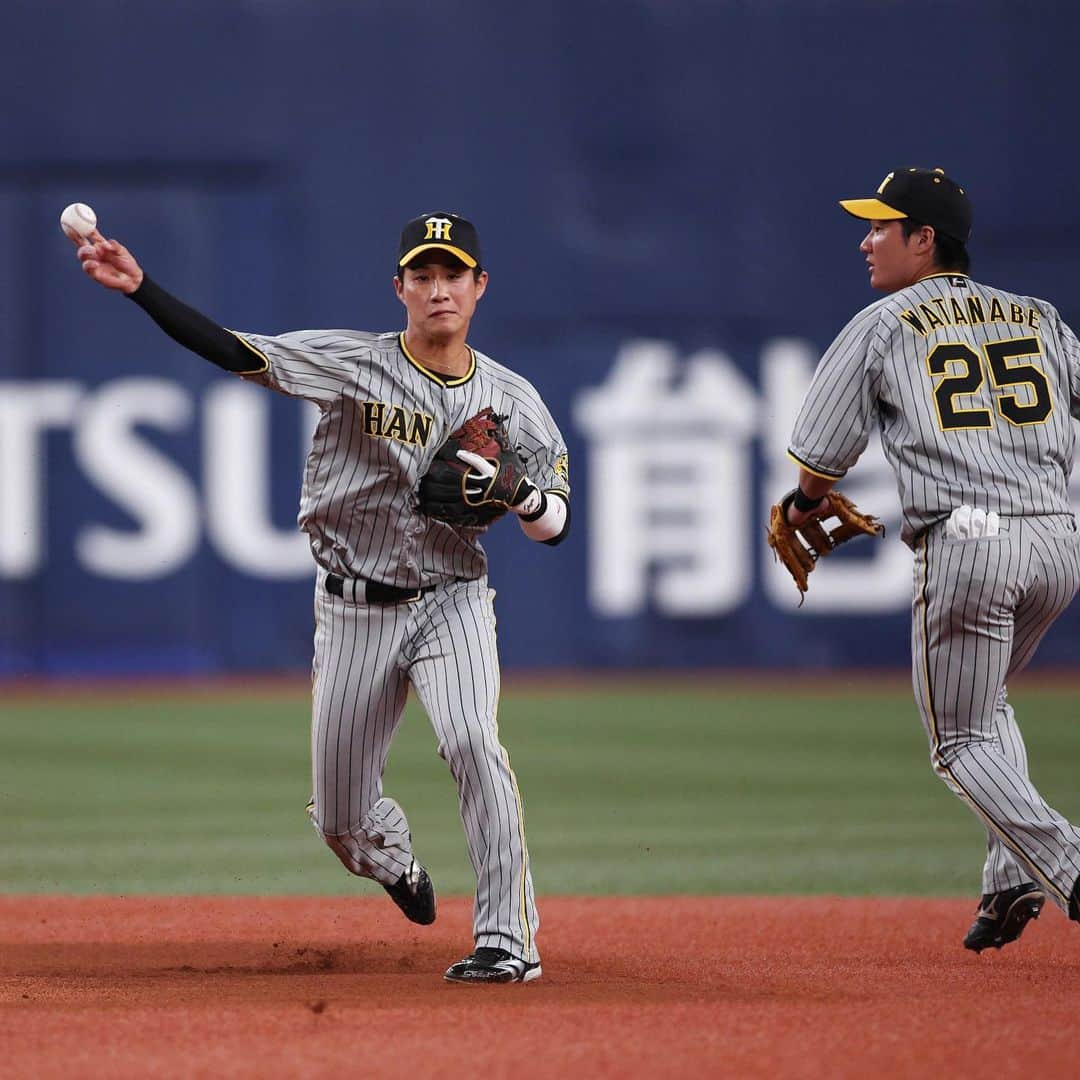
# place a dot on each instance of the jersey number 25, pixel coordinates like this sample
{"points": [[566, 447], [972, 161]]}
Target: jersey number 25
{"points": [[968, 376]]}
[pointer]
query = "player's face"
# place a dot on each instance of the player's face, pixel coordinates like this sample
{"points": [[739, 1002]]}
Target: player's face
{"points": [[895, 261], [440, 295]]}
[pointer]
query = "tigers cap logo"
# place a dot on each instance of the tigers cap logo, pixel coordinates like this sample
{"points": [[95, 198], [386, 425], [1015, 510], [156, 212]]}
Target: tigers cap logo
{"points": [[438, 228]]}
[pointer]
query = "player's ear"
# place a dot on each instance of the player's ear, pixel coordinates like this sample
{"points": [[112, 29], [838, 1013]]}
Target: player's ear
{"points": [[481, 283], [924, 236], [399, 288]]}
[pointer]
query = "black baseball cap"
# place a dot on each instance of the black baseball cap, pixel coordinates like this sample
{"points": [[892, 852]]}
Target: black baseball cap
{"points": [[924, 195], [443, 231]]}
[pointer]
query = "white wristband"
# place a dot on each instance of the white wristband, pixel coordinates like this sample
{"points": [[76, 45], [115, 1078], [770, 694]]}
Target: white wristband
{"points": [[551, 523]]}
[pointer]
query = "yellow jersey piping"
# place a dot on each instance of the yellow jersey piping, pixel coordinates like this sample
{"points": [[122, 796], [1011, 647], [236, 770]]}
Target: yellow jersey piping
{"points": [[817, 472], [433, 375], [261, 355], [943, 273], [526, 930]]}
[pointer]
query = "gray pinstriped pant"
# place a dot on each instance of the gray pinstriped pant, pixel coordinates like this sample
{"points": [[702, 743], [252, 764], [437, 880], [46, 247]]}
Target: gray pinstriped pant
{"points": [[980, 609], [366, 655]]}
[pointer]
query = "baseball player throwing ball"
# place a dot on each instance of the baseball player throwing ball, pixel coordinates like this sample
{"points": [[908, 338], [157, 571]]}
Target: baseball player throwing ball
{"points": [[422, 442], [971, 388]]}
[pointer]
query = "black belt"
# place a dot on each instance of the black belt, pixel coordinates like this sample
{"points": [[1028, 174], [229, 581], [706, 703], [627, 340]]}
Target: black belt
{"points": [[374, 592]]}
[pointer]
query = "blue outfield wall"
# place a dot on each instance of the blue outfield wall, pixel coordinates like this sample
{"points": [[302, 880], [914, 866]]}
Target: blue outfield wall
{"points": [[655, 184]]}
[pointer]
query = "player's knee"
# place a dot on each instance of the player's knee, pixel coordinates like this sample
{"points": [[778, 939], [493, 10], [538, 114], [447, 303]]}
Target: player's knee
{"points": [[339, 844], [940, 760], [957, 747], [332, 837], [466, 743], [324, 834]]}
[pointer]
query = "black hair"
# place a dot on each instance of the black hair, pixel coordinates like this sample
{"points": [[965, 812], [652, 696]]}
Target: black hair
{"points": [[949, 253]]}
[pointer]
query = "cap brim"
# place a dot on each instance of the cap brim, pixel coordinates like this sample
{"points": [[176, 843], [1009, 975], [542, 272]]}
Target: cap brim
{"points": [[871, 210], [466, 258]]}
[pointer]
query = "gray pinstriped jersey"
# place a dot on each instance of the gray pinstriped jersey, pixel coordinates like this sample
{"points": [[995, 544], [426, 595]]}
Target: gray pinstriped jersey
{"points": [[382, 419], [971, 388]]}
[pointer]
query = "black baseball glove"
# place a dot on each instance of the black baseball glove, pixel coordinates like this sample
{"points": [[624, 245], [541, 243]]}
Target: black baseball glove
{"points": [[475, 476]]}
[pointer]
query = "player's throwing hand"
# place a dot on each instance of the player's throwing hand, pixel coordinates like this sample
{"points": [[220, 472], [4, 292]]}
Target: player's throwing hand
{"points": [[109, 263]]}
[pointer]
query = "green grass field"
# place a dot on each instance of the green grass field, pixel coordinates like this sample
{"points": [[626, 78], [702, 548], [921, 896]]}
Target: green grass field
{"points": [[680, 789]]}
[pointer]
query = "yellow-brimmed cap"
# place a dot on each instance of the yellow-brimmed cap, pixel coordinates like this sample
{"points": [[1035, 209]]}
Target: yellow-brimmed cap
{"points": [[927, 196], [872, 209], [439, 232]]}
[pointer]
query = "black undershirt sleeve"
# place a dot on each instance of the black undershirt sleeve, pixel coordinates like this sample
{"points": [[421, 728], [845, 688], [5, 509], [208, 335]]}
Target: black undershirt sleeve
{"points": [[195, 331]]}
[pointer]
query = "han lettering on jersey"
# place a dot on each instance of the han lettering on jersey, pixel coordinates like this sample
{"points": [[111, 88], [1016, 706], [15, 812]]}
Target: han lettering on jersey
{"points": [[384, 421], [941, 311]]}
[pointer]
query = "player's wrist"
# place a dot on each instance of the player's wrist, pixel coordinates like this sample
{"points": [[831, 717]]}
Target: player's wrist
{"points": [[146, 290], [805, 503], [548, 525], [531, 503], [136, 283]]}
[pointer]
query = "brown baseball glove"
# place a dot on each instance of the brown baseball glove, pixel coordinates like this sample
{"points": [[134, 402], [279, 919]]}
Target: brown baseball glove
{"points": [[475, 476], [799, 547]]}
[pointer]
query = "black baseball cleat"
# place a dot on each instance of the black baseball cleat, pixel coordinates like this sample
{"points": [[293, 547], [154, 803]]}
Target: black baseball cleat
{"points": [[491, 966], [414, 894], [1002, 916]]}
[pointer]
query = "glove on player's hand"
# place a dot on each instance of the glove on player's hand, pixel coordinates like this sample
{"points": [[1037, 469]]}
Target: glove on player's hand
{"points": [[799, 547], [501, 481], [476, 474]]}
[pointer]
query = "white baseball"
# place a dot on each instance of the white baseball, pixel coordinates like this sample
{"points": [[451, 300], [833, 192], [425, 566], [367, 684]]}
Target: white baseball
{"points": [[78, 220]]}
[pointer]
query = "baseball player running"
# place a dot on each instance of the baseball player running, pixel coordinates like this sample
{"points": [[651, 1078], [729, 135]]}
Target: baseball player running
{"points": [[971, 388], [401, 596]]}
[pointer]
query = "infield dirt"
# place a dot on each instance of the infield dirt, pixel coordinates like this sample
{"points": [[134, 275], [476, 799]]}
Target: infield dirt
{"points": [[185, 987]]}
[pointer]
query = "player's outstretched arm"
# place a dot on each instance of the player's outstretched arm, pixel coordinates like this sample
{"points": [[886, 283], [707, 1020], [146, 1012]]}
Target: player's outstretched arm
{"points": [[110, 264]]}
